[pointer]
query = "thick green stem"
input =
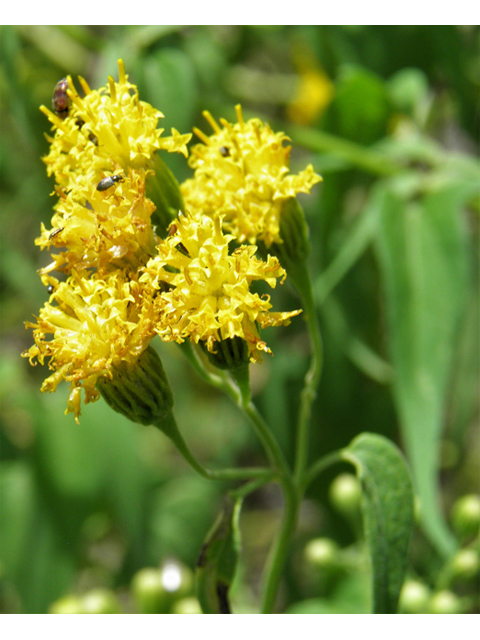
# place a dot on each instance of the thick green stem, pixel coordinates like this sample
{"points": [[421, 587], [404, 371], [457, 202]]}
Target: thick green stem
{"points": [[239, 391], [279, 551], [312, 377], [294, 488], [278, 554], [219, 381]]}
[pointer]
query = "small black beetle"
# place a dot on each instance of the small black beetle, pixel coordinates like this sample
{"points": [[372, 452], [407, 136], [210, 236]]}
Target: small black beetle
{"points": [[60, 100], [108, 182], [225, 151]]}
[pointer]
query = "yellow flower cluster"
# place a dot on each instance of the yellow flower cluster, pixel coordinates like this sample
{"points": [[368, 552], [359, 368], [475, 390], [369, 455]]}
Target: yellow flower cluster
{"points": [[242, 173], [101, 233], [205, 290], [101, 230], [106, 131], [95, 324], [124, 284]]}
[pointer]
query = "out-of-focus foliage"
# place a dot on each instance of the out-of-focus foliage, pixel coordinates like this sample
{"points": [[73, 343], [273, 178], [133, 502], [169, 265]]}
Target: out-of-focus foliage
{"points": [[389, 116]]}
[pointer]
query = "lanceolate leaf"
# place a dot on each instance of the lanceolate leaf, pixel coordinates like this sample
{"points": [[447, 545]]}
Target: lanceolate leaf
{"points": [[423, 259], [387, 505]]}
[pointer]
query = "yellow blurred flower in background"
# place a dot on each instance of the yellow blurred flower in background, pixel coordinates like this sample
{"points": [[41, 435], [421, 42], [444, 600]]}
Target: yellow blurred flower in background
{"points": [[314, 92]]}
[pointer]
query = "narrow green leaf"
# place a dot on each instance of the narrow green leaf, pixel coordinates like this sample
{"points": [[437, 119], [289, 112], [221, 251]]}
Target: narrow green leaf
{"points": [[423, 258], [387, 505], [218, 559], [353, 247]]}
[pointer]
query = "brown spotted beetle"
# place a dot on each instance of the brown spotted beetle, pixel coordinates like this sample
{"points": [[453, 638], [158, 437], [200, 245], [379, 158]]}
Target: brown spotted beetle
{"points": [[60, 100]]}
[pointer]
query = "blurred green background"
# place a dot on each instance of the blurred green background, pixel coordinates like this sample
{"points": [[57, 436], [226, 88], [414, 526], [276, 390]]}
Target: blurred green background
{"points": [[389, 116]]}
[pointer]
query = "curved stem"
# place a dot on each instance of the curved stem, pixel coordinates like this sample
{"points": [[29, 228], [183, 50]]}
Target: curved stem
{"points": [[318, 467], [170, 429], [294, 488], [219, 381], [248, 487], [270, 444]]}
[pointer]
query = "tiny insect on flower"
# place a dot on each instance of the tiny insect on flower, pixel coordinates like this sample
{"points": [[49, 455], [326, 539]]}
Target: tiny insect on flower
{"points": [[108, 182], [60, 100], [55, 232]]}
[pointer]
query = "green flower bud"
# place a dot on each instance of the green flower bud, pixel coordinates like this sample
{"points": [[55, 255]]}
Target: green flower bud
{"points": [[163, 189], [445, 602], [464, 565], [322, 552], [140, 391], [346, 493], [177, 579], [156, 590], [148, 591], [294, 247], [186, 605], [230, 354], [68, 604], [414, 597], [100, 601], [466, 516]]}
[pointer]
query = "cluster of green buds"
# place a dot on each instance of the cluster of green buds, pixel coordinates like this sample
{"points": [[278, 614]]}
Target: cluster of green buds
{"points": [[164, 589], [96, 601]]}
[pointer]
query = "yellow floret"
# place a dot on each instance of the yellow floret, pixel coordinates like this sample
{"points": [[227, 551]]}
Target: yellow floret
{"points": [[102, 230], [107, 127], [94, 324], [242, 173], [203, 293]]}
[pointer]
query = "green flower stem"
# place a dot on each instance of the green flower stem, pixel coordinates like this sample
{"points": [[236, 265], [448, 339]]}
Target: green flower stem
{"points": [[312, 377], [318, 467], [294, 488], [238, 388], [249, 487], [279, 551], [218, 381], [270, 444], [171, 430]]}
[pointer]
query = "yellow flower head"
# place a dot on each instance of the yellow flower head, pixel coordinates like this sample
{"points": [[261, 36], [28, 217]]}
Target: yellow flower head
{"points": [[203, 293], [242, 173], [314, 91], [94, 325], [102, 230], [106, 128]]}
